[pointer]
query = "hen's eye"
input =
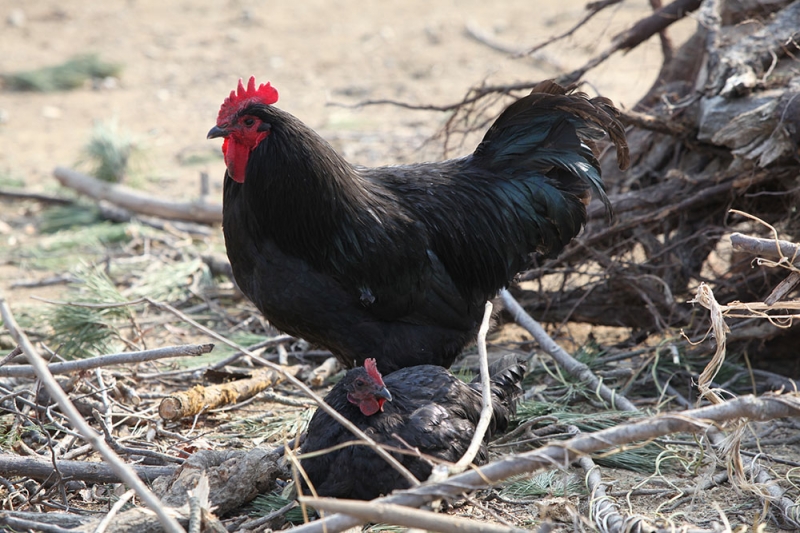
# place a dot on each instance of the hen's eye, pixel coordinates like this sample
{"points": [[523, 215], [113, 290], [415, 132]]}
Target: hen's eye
{"points": [[359, 383], [249, 122]]}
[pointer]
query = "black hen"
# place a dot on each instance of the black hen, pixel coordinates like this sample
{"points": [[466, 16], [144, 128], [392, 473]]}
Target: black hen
{"points": [[395, 263], [424, 407]]}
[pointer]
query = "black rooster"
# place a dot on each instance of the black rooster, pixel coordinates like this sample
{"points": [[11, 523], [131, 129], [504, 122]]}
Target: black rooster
{"points": [[423, 407], [396, 263]]}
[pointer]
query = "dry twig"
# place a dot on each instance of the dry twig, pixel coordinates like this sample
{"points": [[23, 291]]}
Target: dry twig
{"points": [[124, 358]]}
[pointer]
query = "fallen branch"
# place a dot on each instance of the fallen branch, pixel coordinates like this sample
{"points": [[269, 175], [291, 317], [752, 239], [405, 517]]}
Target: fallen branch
{"points": [[767, 407], [90, 472], [571, 365], [124, 358], [199, 398], [139, 202], [387, 513]]}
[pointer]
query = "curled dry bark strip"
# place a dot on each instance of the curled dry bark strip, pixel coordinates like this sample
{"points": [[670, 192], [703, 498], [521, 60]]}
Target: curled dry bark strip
{"points": [[124, 471], [200, 398], [564, 360], [560, 454], [705, 297], [124, 358]]}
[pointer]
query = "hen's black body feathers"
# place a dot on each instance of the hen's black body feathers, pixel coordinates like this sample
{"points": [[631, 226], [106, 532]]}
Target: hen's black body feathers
{"points": [[431, 410]]}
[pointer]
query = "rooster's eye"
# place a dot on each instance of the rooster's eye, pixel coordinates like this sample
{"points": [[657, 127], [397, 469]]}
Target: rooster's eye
{"points": [[249, 122], [359, 383]]}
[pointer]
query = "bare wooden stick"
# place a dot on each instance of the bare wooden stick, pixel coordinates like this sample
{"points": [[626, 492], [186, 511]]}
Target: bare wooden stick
{"points": [[125, 472], [574, 367], [124, 358], [561, 454], [139, 202], [387, 513], [486, 398]]}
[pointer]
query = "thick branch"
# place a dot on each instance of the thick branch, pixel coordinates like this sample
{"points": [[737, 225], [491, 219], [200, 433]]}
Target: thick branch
{"points": [[768, 248], [90, 472], [138, 202]]}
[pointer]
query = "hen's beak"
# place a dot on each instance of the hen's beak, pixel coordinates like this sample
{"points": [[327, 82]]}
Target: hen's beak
{"points": [[384, 393], [215, 132]]}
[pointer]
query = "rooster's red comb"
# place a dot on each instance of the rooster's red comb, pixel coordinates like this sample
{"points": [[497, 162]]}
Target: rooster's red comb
{"points": [[372, 370], [264, 94]]}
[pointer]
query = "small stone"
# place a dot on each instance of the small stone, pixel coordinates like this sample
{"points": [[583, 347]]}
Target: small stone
{"points": [[16, 18], [51, 111]]}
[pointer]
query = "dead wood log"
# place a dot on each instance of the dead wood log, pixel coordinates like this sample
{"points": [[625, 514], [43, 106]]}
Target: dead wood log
{"points": [[42, 469], [139, 202], [234, 477], [200, 398]]}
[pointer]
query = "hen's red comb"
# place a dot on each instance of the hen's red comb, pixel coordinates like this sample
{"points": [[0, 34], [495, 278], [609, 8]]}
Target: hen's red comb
{"points": [[372, 370], [264, 94]]}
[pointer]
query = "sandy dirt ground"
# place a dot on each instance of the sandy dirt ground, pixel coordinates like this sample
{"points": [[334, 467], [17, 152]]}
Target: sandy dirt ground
{"points": [[180, 59]]}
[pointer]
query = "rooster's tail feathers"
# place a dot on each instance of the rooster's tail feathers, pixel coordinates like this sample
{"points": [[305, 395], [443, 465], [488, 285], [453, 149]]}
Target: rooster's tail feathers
{"points": [[554, 127]]}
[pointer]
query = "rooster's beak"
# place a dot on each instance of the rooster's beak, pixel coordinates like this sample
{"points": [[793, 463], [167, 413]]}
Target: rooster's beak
{"points": [[215, 132], [384, 393]]}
